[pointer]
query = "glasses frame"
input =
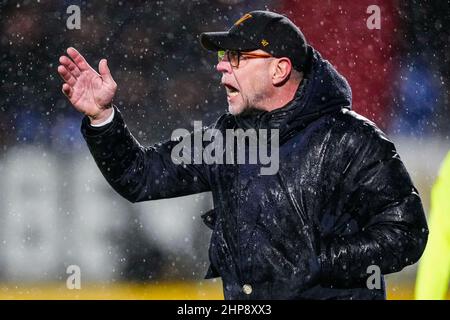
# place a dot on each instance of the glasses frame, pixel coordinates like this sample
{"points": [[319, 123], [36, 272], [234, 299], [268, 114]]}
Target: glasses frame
{"points": [[247, 55]]}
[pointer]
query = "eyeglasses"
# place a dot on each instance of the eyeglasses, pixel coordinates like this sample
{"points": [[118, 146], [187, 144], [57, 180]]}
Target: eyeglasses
{"points": [[234, 57]]}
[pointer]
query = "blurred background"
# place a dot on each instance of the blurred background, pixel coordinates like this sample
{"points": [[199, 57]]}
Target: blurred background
{"points": [[56, 209]]}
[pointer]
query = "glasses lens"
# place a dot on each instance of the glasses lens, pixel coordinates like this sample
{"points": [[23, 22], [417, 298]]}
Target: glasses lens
{"points": [[233, 57], [220, 55]]}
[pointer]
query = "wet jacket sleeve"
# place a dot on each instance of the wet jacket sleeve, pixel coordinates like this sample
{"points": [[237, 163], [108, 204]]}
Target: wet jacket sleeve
{"points": [[388, 209], [140, 173], [433, 274]]}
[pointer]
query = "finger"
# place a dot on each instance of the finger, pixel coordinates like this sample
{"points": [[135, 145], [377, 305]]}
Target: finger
{"points": [[105, 72], [78, 59], [65, 61], [67, 90], [66, 75]]}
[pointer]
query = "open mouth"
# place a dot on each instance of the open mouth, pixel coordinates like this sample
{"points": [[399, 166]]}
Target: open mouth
{"points": [[231, 91]]}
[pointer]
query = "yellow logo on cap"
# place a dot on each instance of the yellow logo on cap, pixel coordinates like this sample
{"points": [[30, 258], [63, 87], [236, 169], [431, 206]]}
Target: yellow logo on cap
{"points": [[245, 17], [264, 42]]}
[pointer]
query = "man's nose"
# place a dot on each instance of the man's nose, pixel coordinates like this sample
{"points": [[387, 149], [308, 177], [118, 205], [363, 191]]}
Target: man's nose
{"points": [[224, 66]]}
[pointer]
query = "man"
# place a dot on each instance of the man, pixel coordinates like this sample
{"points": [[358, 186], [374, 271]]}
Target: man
{"points": [[341, 201]]}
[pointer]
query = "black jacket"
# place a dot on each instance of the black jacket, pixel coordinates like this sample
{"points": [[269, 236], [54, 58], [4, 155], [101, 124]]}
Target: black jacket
{"points": [[341, 201]]}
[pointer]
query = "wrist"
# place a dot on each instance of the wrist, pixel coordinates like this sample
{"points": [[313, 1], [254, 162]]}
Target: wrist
{"points": [[102, 116]]}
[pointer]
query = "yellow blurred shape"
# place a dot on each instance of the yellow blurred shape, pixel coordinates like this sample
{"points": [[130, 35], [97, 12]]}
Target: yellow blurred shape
{"points": [[203, 290]]}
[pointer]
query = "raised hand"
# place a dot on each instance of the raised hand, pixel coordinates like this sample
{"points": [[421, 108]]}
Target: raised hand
{"points": [[89, 92]]}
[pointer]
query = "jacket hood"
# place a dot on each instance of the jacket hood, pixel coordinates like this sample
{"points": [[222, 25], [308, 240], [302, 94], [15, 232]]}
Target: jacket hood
{"points": [[323, 90]]}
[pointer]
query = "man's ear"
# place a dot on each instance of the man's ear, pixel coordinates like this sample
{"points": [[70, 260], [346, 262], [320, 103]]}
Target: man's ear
{"points": [[281, 71]]}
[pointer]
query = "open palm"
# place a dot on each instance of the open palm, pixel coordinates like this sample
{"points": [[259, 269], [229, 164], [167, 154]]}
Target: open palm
{"points": [[89, 92]]}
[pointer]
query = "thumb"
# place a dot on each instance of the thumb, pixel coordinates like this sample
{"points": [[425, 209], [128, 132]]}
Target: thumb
{"points": [[105, 72]]}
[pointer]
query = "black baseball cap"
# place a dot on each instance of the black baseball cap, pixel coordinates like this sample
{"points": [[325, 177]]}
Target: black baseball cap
{"points": [[265, 30]]}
